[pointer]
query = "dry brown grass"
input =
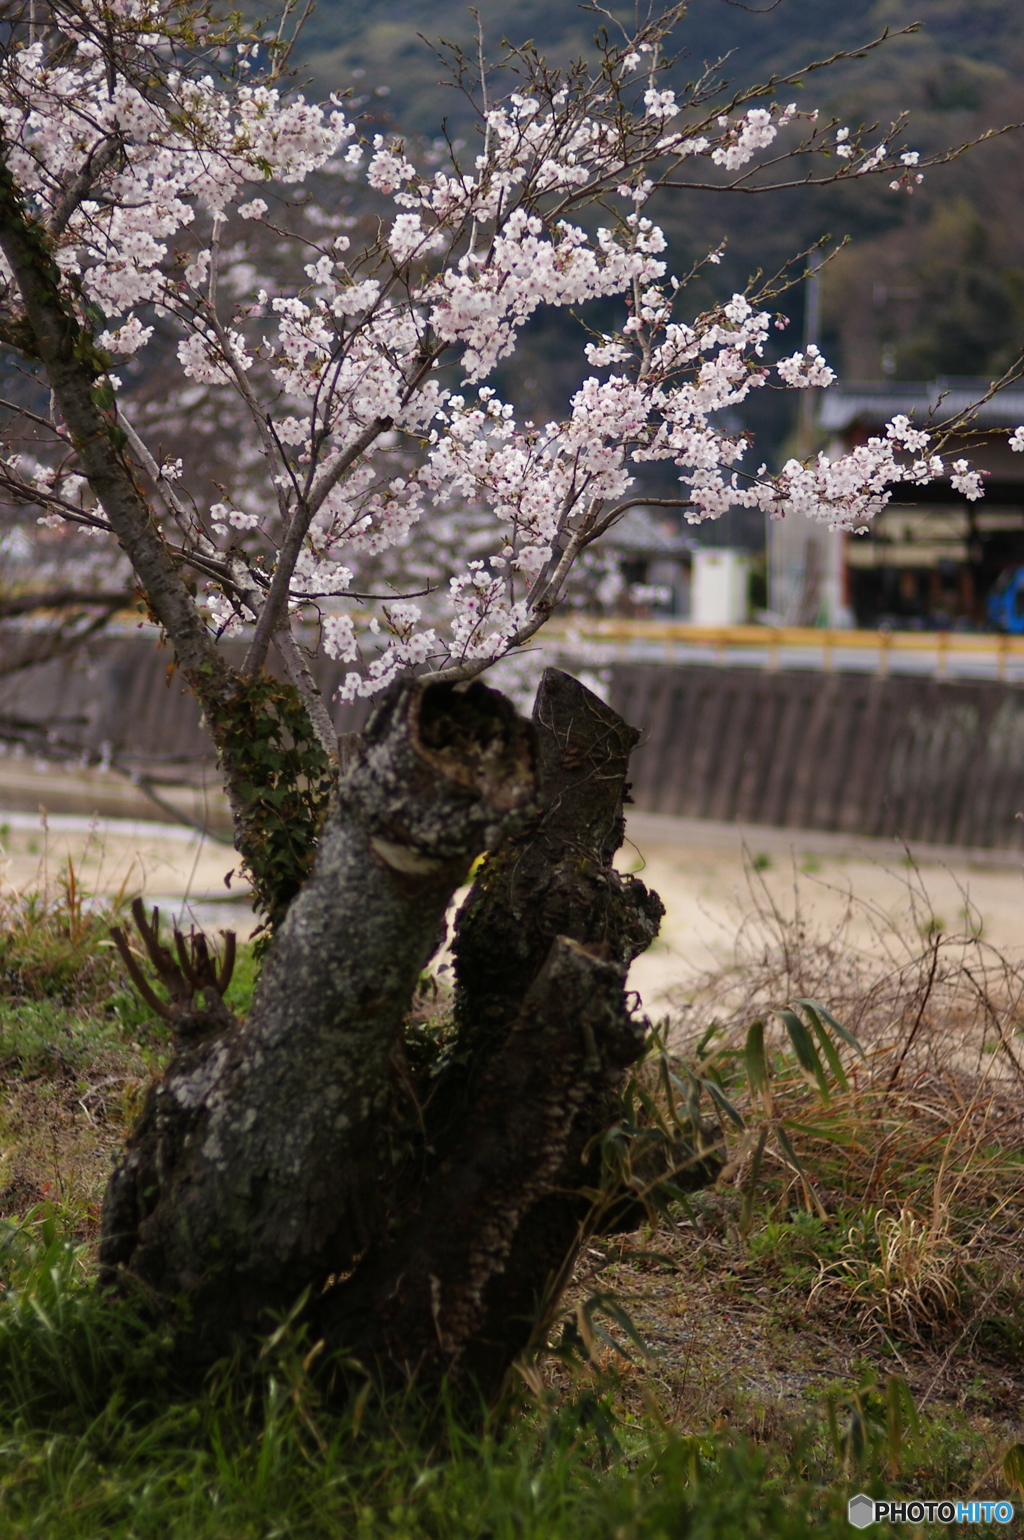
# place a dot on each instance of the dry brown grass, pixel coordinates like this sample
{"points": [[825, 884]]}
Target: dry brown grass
{"points": [[929, 1004], [894, 1239]]}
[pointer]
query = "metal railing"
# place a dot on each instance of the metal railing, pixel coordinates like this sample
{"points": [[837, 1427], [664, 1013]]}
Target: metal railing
{"points": [[772, 647]]}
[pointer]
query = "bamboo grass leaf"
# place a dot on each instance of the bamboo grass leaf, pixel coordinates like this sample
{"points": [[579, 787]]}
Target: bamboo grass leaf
{"points": [[608, 1305], [722, 1101], [794, 1160], [824, 1036], [830, 1131], [757, 1064], [803, 1045], [829, 1020], [1013, 1467]]}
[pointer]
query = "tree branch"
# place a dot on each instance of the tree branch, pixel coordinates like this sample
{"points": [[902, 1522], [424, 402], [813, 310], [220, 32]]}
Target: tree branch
{"points": [[73, 367], [943, 158], [297, 668], [33, 735], [63, 599], [57, 644], [291, 548], [99, 158]]}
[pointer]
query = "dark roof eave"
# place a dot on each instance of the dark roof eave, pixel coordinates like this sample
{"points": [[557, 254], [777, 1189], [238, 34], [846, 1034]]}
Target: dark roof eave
{"points": [[873, 404], [939, 494]]}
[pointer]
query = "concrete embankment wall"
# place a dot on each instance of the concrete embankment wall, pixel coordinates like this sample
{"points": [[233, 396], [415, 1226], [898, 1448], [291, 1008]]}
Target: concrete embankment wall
{"points": [[933, 761], [119, 699]]}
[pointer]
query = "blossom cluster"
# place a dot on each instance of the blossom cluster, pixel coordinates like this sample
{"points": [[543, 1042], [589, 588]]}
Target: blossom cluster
{"points": [[150, 159], [756, 130], [340, 371]]}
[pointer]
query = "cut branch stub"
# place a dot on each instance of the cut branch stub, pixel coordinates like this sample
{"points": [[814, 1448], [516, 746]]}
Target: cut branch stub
{"points": [[260, 1162], [555, 876]]}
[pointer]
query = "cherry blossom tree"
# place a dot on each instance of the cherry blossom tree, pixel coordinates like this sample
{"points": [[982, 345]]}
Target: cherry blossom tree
{"points": [[155, 215]]}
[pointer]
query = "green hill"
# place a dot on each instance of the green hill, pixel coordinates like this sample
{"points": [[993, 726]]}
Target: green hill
{"points": [[928, 285], [965, 46]]}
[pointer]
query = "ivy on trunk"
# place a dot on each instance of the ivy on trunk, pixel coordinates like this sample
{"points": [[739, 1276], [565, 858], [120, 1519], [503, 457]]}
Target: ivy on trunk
{"points": [[266, 1163]]}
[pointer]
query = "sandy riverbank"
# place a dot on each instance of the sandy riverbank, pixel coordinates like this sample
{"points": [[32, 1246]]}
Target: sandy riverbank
{"points": [[712, 877]]}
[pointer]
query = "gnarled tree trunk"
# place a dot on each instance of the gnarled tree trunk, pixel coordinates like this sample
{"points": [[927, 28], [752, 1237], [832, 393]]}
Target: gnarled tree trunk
{"points": [[262, 1163], [254, 1169]]}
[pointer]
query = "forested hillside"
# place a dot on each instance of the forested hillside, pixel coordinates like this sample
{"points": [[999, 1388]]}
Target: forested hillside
{"points": [[964, 49], [927, 285]]}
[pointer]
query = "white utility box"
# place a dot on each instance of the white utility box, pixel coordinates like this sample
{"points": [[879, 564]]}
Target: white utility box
{"points": [[719, 592]]}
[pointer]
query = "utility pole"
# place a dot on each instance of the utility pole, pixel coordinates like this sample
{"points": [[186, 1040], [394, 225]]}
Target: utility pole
{"points": [[798, 558], [812, 335]]}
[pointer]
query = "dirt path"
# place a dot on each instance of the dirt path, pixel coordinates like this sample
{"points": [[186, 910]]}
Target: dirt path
{"points": [[712, 877]]}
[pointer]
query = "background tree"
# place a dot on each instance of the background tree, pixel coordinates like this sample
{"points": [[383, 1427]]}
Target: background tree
{"points": [[426, 1202]]}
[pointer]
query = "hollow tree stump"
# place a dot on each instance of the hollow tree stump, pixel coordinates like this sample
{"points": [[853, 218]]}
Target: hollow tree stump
{"points": [[545, 1037], [255, 1168], [261, 1165]]}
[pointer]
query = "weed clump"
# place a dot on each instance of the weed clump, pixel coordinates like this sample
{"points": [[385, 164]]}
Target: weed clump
{"points": [[884, 1207], [56, 947], [77, 1047]]}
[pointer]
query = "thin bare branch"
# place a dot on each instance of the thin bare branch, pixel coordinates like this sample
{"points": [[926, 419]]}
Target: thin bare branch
{"points": [[97, 161], [291, 546], [297, 668], [63, 599]]}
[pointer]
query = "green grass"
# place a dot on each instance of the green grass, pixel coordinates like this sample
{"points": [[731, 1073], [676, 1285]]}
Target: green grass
{"points": [[98, 1439], [94, 1442], [77, 1046], [794, 1248]]}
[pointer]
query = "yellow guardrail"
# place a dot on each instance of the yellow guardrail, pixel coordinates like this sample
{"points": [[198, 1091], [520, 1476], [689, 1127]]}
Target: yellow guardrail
{"points": [[944, 644]]}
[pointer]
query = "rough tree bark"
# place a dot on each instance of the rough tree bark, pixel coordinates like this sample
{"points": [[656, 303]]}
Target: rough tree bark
{"points": [[262, 1162], [555, 877], [420, 1304], [544, 1037], [254, 1170]]}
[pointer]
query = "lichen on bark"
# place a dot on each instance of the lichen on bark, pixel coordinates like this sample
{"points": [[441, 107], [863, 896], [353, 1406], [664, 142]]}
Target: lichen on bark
{"points": [[254, 1171]]}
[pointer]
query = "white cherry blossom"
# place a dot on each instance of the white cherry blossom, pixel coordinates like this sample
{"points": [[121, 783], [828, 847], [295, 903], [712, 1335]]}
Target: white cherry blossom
{"points": [[435, 530]]}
